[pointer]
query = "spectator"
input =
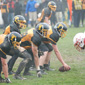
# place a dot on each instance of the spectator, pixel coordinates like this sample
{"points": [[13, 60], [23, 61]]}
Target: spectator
{"points": [[53, 18], [23, 11], [31, 9], [39, 1], [82, 13], [1, 20], [42, 5], [24, 8], [4, 11], [18, 8], [11, 11], [59, 11], [1, 2], [76, 4]]}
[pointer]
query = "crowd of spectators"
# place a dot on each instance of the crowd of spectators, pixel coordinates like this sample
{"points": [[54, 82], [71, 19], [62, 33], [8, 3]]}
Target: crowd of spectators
{"points": [[31, 8], [9, 9]]}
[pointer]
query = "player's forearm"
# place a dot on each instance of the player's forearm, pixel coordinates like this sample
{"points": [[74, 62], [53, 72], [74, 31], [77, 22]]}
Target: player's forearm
{"points": [[58, 55], [36, 58], [5, 67]]}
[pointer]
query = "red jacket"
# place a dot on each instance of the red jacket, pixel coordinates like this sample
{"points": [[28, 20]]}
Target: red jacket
{"points": [[12, 3]]}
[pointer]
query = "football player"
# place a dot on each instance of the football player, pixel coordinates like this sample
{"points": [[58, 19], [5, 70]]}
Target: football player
{"points": [[52, 36], [6, 42], [34, 38], [79, 41], [25, 63], [45, 16], [18, 23], [47, 12]]}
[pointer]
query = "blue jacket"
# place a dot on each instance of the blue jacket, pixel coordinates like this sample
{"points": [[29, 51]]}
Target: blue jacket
{"points": [[30, 7]]}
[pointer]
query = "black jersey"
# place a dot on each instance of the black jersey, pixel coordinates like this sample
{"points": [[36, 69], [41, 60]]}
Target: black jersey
{"points": [[31, 36], [10, 28], [4, 45], [52, 36], [46, 12]]}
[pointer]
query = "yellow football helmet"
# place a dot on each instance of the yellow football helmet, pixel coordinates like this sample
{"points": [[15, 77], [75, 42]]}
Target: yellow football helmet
{"points": [[42, 29], [61, 29], [52, 5], [14, 38], [20, 21]]}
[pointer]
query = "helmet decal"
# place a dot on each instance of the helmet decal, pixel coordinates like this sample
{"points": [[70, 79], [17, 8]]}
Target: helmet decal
{"points": [[17, 19], [40, 27], [13, 37], [42, 30], [60, 25], [52, 5]]}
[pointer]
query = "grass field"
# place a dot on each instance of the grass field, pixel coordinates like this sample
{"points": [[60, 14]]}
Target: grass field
{"points": [[76, 76]]}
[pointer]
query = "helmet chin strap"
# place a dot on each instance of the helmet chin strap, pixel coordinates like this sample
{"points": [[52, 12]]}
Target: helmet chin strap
{"points": [[8, 39]]}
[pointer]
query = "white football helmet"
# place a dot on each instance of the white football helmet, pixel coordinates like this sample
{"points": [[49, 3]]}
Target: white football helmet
{"points": [[79, 41]]}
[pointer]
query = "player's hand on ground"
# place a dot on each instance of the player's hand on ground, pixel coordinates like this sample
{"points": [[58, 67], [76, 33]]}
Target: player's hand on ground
{"points": [[66, 67]]}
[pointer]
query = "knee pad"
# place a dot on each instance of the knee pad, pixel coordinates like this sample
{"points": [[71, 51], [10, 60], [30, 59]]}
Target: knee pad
{"points": [[25, 61], [13, 51], [40, 53], [49, 47], [25, 55]]}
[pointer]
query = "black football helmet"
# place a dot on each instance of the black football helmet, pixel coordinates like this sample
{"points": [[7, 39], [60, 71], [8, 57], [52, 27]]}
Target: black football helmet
{"points": [[52, 5], [20, 21], [61, 29], [42, 29], [14, 38]]}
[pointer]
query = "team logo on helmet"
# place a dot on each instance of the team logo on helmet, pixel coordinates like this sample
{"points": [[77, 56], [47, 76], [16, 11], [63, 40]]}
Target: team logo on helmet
{"points": [[13, 37], [52, 5], [42, 29]]}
